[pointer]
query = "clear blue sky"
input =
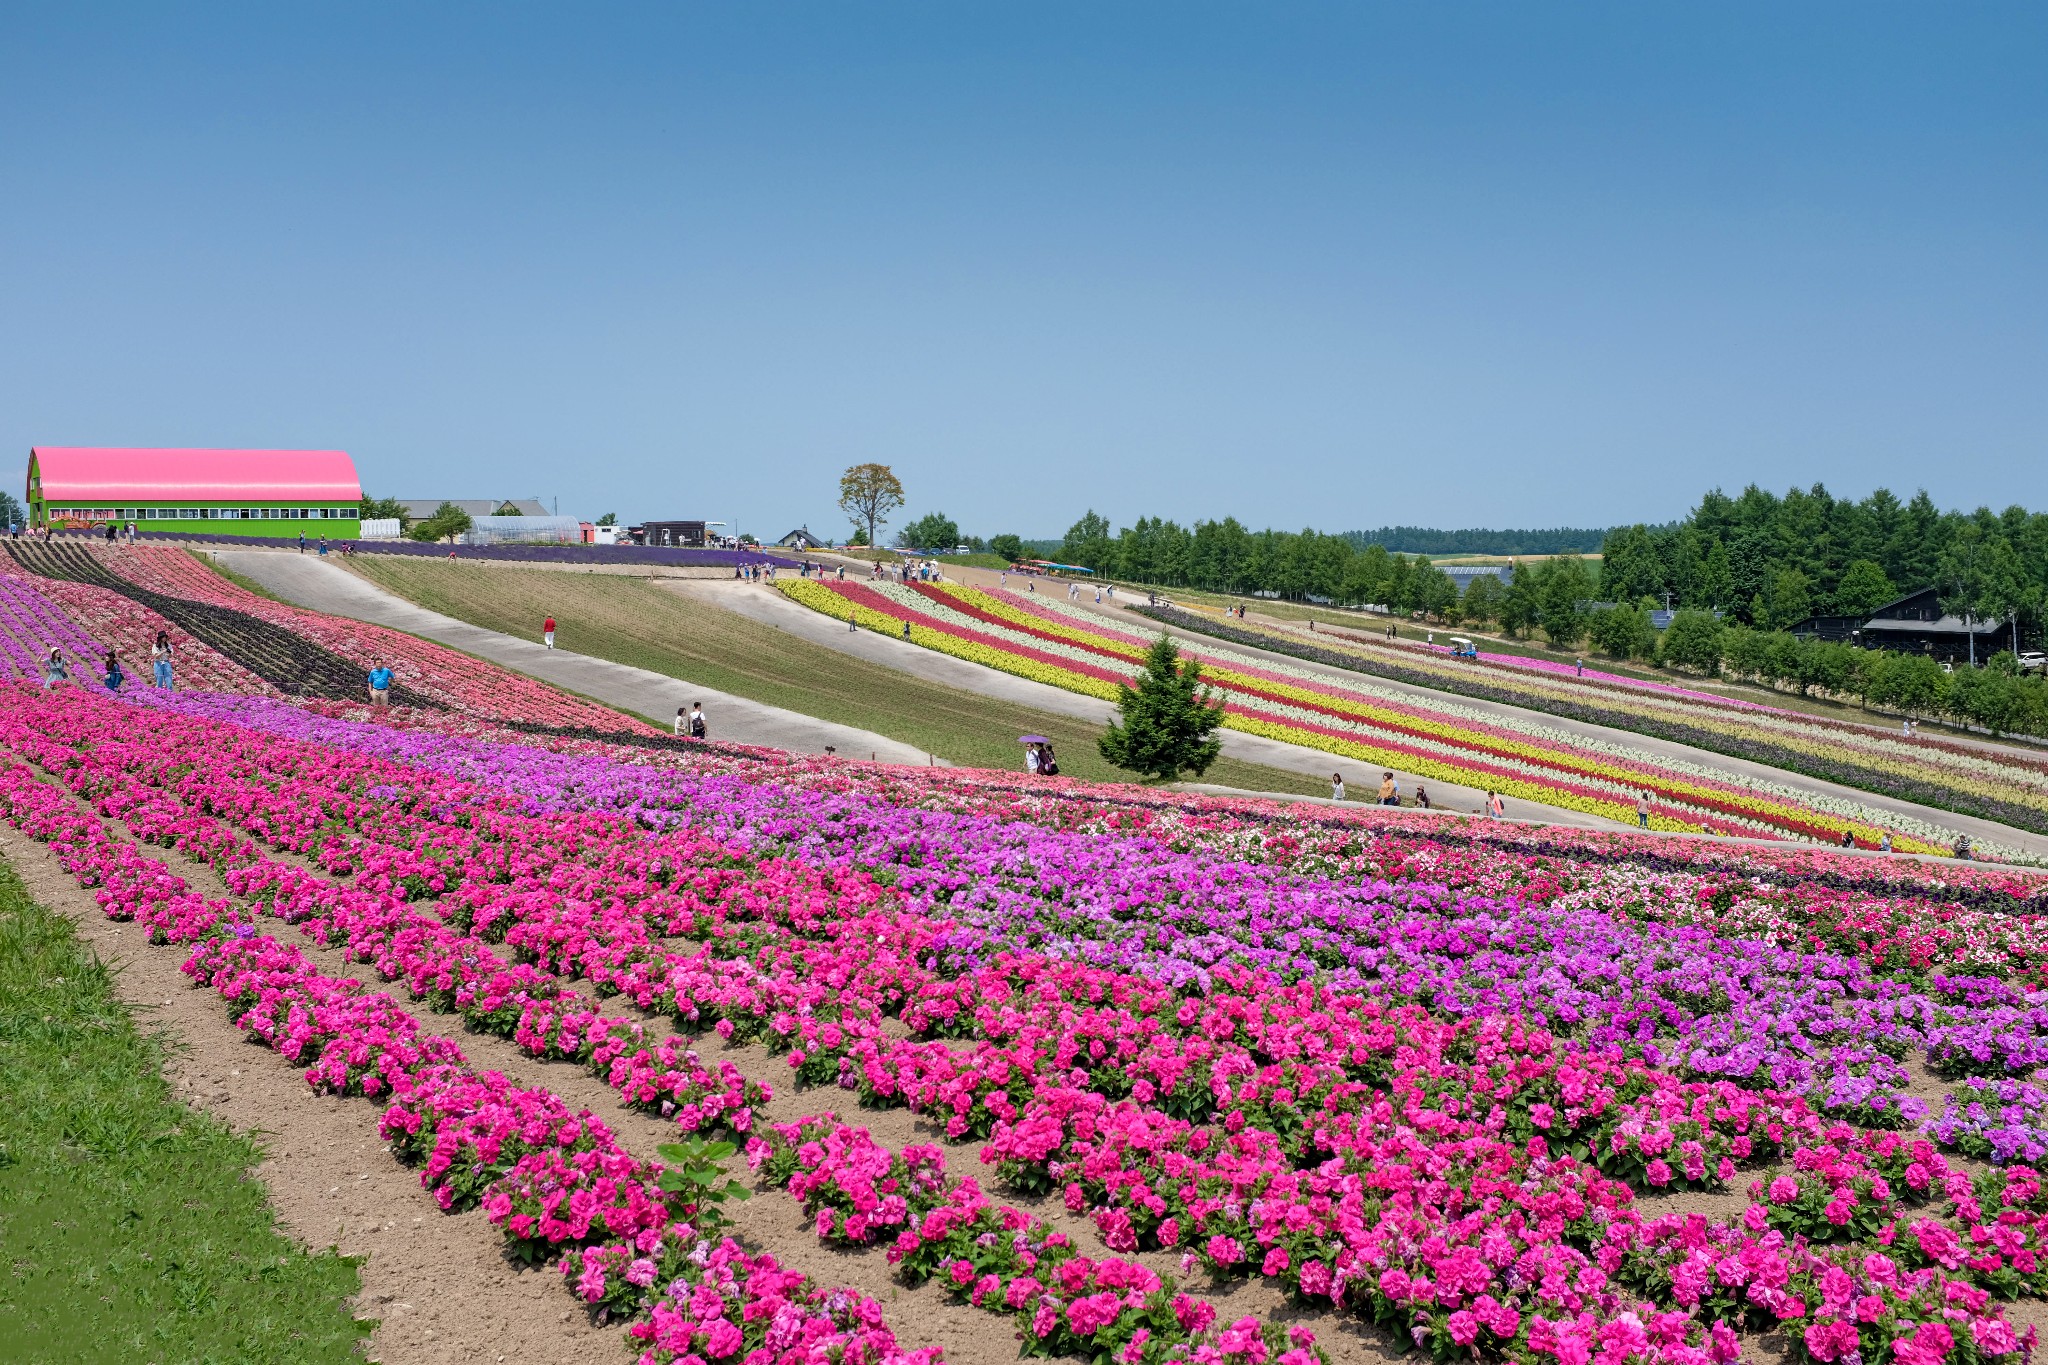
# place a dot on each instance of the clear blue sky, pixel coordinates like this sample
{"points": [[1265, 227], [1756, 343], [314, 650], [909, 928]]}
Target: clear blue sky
{"points": [[1334, 266]]}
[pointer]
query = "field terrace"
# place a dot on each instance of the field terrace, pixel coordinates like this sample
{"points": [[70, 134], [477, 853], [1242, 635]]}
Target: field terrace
{"points": [[1202, 1079], [1436, 737]]}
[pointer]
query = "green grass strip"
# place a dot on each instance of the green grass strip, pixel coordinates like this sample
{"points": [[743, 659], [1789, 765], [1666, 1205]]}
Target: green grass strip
{"points": [[131, 1229]]}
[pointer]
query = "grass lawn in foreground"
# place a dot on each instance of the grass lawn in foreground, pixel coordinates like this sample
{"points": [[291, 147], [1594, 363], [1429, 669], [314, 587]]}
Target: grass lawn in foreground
{"points": [[634, 621], [130, 1227]]}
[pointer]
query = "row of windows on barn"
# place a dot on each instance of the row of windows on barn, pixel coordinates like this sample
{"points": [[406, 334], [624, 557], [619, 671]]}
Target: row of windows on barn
{"points": [[204, 513]]}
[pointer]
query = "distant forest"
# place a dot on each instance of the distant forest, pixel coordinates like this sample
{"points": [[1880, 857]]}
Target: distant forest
{"points": [[1762, 560], [1423, 540]]}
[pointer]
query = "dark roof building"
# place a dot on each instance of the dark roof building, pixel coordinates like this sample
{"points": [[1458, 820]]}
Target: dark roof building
{"points": [[801, 539], [1914, 624], [687, 535]]}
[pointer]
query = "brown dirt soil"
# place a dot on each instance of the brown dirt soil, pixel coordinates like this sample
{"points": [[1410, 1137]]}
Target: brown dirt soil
{"points": [[441, 1289]]}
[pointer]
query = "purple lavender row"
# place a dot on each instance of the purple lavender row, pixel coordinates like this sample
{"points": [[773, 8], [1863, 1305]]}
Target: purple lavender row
{"points": [[30, 625]]}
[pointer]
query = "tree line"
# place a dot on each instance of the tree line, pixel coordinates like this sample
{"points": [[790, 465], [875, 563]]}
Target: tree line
{"points": [[1737, 571], [1770, 562], [1762, 561]]}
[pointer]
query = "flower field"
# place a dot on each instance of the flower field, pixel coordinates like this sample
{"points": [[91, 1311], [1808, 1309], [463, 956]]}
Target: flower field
{"points": [[1066, 647], [2007, 785], [1477, 1098], [236, 641]]}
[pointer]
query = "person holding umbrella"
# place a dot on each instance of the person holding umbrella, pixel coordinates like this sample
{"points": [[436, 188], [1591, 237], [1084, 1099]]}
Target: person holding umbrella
{"points": [[1038, 759]]}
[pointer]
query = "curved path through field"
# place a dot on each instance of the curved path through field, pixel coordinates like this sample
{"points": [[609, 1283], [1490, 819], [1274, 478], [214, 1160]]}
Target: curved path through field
{"points": [[1974, 826], [325, 586]]}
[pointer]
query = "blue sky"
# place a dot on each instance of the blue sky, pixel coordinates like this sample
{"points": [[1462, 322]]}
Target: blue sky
{"points": [[1337, 266]]}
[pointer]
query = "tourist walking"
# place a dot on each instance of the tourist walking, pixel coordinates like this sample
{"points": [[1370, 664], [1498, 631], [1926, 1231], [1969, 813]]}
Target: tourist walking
{"points": [[842, 573], [54, 669], [906, 631], [547, 632], [698, 729], [380, 685], [1642, 810], [323, 547], [1496, 807], [1031, 759], [115, 677], [1048, 762], [302, 542], [1336, 786], [682, 721], [1387, 797], [160, 660]]}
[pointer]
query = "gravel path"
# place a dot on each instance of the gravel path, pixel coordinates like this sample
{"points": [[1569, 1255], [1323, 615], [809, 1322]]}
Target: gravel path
{"points": [[326, 586]]}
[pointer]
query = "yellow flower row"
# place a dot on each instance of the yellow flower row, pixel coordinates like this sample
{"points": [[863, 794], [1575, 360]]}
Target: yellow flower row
{"points": [[823, 599], [1674, 786], [1785, 735]]}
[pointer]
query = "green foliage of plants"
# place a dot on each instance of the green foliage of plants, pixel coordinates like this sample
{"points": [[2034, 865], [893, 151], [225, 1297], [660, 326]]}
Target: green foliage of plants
{"points": [[448, 522], [1770, 561], [868, 493], [1006, 547], [932, 531], [696, 1170], [382, 509], [1997, 696], [131, 1228], [1168, 719]]}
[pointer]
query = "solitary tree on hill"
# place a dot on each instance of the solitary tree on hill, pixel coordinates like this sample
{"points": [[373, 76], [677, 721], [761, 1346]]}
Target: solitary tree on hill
{"points": [[1167, 719], [869, 493]]}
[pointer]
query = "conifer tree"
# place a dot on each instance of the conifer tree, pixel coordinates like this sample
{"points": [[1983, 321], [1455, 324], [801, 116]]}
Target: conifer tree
{"points": [[1167, 719]]}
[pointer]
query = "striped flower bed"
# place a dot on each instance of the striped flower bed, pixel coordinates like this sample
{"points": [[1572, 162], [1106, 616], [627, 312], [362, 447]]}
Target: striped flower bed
{"points": [[1048, 642]]}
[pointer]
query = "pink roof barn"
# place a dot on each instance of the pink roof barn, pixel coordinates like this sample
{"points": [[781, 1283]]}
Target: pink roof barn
{"points": [[108, 476]]}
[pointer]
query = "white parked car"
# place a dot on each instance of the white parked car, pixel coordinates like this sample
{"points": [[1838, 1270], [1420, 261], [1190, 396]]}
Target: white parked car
{"points": [[2033, 661]]}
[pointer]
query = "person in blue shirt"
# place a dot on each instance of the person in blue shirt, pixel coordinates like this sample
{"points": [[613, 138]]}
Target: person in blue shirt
{"points": [[115, 677], [380, 685]]}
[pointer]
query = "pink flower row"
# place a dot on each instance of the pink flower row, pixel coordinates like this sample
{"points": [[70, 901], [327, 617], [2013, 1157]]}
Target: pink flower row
{"points": [[1012, 1081], [570, 1180]]}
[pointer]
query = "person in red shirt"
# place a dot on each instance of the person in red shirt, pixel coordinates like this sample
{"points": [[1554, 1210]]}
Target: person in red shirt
{"points": [[547, 632]]}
